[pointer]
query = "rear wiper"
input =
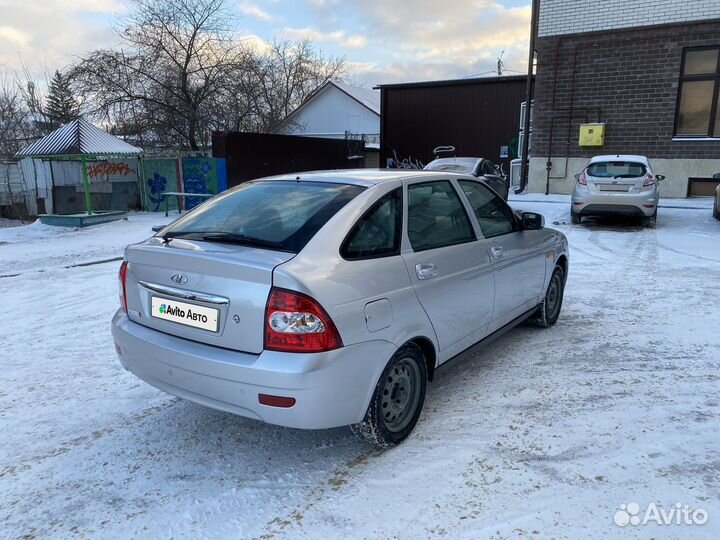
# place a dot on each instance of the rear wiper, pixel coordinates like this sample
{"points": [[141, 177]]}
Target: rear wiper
{"points": [[234, 238]]}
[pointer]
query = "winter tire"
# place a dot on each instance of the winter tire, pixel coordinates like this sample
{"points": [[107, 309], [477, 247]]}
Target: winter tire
{"points": [[549, 310], [397, 401], [575, 219], [650, 221]]}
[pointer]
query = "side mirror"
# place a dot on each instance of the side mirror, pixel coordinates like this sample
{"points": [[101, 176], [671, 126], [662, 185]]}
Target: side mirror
{"points": [[532, 221], [660, 177]]}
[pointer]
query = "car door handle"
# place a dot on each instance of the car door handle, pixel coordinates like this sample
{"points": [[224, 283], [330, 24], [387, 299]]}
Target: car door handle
{"points": [[497, 252], [426, 270]]}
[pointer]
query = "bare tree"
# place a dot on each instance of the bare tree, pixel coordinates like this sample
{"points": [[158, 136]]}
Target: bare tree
{"points": [[183, 73], [285, 76], [175, 57], [13, 117]]}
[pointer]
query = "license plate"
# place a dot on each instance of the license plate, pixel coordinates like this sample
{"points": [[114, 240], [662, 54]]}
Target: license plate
{"points": [[614, 187], [184, 313]]}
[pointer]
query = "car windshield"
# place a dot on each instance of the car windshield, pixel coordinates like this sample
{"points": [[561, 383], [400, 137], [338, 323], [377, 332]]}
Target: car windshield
{"points": [[617, 169], [279, 215]]}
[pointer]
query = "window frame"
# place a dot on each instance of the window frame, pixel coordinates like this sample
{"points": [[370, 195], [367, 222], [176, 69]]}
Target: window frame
{"points": [[463, 204], [397, 248], [699, 78], [515, 222]]}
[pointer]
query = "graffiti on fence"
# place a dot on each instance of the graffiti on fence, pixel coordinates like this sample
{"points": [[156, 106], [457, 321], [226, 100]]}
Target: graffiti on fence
{"points": [[105, 168]]}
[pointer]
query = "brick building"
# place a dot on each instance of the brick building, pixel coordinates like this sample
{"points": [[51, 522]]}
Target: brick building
{"points": [[647, 69]]}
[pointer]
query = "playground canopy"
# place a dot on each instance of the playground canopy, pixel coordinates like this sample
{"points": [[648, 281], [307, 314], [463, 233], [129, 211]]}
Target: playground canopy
{"points": [[81, 140]]}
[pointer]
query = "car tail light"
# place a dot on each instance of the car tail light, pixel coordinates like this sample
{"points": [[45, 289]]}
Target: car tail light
{"points": [[649, 180], [582, 179], [122, 278], [294, 322]]}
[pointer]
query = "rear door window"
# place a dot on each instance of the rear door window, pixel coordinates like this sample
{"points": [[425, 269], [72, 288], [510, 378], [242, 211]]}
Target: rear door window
{"points": [[494, 216], [378, 232], [617, 169], [436, 216], [281, 215]]}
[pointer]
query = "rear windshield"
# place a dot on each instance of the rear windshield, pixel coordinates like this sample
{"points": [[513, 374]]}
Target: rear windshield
{"points": [[617, 169], [279, 215], [466, 166]]}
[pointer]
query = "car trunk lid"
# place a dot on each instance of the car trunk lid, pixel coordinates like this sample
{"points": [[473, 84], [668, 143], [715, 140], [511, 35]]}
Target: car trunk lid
{"points": [[214, 293]]}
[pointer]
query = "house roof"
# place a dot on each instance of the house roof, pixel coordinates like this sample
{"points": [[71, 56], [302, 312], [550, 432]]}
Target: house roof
{"points": [[370, 99], [366, 96], [79, 138], [454, 82]]}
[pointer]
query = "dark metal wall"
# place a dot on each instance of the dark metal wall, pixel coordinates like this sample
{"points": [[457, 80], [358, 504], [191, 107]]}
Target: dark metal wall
{"points": [[477, 116], [254, 155]]}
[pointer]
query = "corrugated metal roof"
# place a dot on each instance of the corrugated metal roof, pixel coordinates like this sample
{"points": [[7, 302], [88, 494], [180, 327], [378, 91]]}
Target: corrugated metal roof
{"points": [[446, 82], [79, 137]]}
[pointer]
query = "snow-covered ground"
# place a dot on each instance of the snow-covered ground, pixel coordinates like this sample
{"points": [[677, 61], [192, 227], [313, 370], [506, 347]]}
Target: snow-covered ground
{"points": [[543, 434]]}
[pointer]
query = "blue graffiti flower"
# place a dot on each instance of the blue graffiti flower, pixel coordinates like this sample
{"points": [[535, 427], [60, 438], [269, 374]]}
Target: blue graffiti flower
{"points": [[157, 185]]}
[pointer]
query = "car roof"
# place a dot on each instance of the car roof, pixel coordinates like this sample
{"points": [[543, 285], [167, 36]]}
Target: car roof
{"points": [[620, 157], [360, 177]]}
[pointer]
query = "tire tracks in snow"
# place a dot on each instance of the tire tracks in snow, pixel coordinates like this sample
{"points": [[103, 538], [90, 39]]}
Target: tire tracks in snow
{"points": [[335, 481], [26, 464]]}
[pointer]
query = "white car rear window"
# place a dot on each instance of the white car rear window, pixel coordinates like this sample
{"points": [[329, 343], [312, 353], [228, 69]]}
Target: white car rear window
{"points": [[617, 169]]}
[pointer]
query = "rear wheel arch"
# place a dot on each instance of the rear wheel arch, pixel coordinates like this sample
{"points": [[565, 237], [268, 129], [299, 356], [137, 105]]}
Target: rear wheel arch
{"points": [[562, 262], [428, 350]]}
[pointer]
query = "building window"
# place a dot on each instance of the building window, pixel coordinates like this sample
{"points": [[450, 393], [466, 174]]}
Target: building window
{"points": [[698, 113]]}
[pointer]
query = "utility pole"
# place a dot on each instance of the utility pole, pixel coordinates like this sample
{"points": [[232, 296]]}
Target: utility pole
{"points": [[525, 163]]}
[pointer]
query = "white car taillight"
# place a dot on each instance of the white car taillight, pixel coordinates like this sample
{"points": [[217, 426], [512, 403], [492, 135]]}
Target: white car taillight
{"points": [[649, 180], [295, 322], [582, 179], [122, 278]]}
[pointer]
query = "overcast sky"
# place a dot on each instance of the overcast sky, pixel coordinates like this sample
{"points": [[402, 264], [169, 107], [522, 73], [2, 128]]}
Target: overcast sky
{"points": [[381, 40]]}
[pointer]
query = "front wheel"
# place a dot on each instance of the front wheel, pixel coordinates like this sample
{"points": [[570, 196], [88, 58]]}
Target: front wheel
{"points": [[397, 400], [549, 310]]}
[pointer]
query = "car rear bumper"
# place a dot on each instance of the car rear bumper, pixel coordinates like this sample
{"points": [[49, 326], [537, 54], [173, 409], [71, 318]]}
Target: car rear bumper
{"points": [[331, 389], [628, 204]]}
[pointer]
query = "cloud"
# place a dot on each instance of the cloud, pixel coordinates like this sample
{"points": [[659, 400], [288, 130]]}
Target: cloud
{"points": [[14, 36], [51, 33], [251, 10], [427, 39], [339, 36]]}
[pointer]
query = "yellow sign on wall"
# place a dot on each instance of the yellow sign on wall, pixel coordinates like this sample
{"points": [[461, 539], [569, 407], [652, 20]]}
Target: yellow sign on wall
{"points": [[592, 134]]}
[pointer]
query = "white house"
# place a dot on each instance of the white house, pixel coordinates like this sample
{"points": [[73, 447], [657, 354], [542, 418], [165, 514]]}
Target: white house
{"points": [[335, 110]]}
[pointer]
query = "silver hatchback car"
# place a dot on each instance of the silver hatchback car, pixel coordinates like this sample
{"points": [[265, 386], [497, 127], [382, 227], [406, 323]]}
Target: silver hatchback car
{"points": [[617, 185], [330, 298]]}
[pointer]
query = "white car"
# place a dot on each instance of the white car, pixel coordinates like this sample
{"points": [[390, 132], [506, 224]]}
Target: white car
{"points": [[617, 185]]}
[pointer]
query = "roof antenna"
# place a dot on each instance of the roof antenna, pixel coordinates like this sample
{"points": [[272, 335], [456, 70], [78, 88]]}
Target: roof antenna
{"points": [[500, 64]]}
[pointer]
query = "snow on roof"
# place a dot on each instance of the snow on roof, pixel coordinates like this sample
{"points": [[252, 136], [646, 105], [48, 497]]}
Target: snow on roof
{"points": [[368, 97], [79, 137]]}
